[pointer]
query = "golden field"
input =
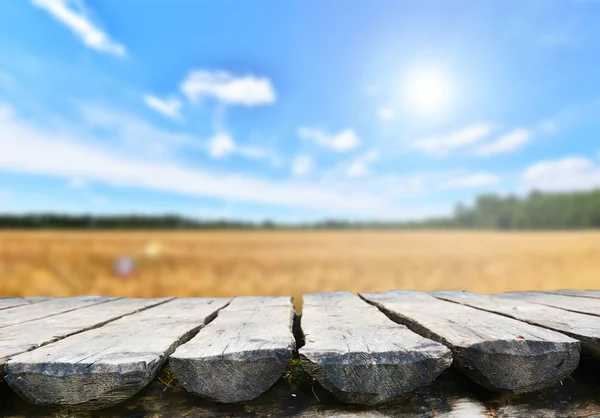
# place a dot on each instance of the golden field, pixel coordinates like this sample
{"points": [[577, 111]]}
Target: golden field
{"points": [[230, 263]]}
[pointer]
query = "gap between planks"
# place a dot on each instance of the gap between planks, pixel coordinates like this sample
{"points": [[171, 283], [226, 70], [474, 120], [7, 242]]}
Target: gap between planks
{"points": [[106, 365], [360, 355], [497, 352], [585, 328], [241, 353], [47, 308], [22, 337], [590, 306]]}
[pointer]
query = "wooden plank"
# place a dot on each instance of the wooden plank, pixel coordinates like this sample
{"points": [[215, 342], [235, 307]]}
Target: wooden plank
{"points": [[588, 306], [449, 396], [242, 353], [580, 293], [361, 356], [24, 337], [6, 303], [107, 365], [55, 306], [496, 352], [585, 328]]}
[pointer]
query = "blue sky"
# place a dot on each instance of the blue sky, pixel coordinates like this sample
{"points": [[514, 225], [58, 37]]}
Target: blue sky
{"points": [[294, 111]]}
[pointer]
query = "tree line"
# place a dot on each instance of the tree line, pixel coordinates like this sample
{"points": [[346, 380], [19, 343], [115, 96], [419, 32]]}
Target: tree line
{"points": [[574, 210], [67, 221]]}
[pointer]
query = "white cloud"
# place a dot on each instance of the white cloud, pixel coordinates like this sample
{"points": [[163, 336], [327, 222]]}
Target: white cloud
{"points": [[143, 139], [41, 151], [342, 141], [386, 114], [167, 107], [120, 129], [256, 153], [509, 142], [571, 173], [74, 15], [472, 180], [442, 145], [77, 183], [360, 166], [245, 90], [302, 165], [221, 145]]}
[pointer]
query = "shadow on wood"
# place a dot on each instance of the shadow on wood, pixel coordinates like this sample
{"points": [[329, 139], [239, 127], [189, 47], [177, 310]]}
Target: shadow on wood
{"points": [[450, 395], [361, 356], [497, 352], [241, 353]]}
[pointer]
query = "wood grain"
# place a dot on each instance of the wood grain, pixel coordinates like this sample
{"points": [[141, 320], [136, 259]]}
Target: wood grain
{"points": [[54, 306], [585, 328], [361, 356], [580, 293], [498, 353], [589, 306], [26, 336], [242, 353], [6, 303], [107, 365]]}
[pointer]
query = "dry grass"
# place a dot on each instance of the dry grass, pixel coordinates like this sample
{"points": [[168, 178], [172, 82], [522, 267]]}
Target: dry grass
{"points": [[292, 263]]}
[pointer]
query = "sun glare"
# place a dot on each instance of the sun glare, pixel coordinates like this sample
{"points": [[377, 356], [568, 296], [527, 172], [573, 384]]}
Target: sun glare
{"points": [[427, 91]]}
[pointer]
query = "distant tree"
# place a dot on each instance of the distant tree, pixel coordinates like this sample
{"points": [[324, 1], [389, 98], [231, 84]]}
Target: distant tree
{"points": [[575, 210]]}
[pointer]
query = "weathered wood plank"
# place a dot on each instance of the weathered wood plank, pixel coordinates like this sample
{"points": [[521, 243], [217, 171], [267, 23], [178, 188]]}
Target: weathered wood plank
{"points": [[23, 337], [361, 356], [55, 306], [580, 293], [242, 353], [497, 352], [585, 328], [588, 306], [107, 365], [449, 396], [6, 303]]}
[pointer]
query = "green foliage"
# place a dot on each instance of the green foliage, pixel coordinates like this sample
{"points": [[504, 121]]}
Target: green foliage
{"points": [[295, 374], [576, 210], [62, 221], [297, 377], [168, 378]]}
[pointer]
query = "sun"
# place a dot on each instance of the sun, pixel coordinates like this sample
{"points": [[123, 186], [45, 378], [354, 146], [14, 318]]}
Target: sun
{"points": [[427, 90]]}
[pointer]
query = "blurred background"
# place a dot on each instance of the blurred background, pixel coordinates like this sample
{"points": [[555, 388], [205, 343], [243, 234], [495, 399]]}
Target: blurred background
{"points": [[217, 148]]}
